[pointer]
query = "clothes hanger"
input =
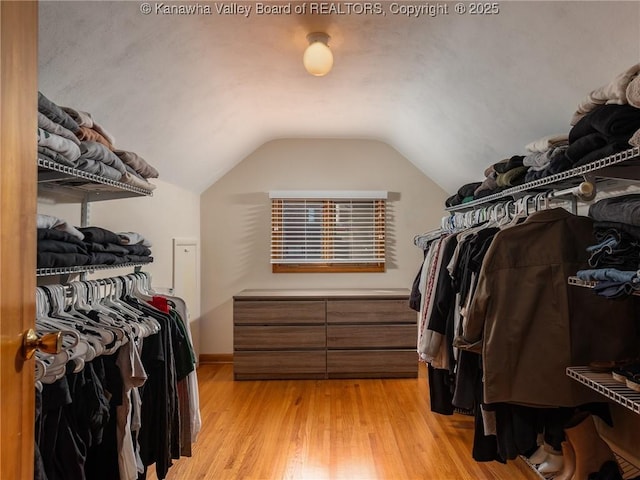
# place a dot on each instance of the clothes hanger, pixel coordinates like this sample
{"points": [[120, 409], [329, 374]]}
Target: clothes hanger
{"points": [[542, 201], [106, 318], [138, 286], [50, 372], [142, 286], [143, 281], [104, 336], [114, 299], [506, 217], [127, 287], [55, 301], [120, 289], [46, 324], [134, 316], [521, 211], [97, 296], [50, 367], [77, 350], [40, 371]]}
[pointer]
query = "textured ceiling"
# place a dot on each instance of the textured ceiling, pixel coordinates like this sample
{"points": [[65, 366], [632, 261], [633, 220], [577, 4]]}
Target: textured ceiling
{"points": [[195, 94]]}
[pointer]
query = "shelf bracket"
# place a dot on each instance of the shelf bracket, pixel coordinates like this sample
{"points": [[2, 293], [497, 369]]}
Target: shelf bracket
{"points": [[85, 211]]}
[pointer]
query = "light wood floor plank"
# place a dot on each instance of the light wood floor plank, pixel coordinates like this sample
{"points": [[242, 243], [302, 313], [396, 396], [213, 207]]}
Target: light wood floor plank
{"points": [[330, 430]]}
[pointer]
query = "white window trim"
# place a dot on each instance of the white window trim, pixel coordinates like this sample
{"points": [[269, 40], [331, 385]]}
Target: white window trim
{"points": [[328, 194]]}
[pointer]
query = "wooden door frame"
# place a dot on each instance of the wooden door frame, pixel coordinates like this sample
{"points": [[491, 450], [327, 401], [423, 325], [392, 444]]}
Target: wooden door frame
{"points": [[18, 199]]}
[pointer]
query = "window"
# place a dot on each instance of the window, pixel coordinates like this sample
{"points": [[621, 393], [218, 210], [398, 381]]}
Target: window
{"points": [[328, 231]]}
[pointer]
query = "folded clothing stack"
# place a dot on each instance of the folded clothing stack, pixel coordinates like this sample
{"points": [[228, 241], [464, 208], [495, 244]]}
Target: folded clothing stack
{"points": [[73, 138], [623, 89], [504, 174], [606, 122], [62, 245], [548, 163], [108, 248], [59, 244], [546, 156], [602, 132], [463, 195], [615, 258]]}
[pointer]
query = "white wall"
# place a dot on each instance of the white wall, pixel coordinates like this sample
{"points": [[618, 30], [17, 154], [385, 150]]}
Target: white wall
{"points": [[171, 212], [235, 221]]}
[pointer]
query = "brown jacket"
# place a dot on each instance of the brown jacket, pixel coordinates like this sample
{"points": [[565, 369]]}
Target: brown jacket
{"points": [[532, 325]]}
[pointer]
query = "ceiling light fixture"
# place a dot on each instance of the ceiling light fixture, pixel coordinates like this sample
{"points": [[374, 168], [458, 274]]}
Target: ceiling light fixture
{"points": [[318, 58]]}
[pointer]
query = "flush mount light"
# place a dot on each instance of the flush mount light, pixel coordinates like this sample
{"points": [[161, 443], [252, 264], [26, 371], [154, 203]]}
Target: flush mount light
{"points": [[318, 58]]}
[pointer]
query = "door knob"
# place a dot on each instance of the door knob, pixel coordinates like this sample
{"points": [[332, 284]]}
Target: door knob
{"points": [[49, 343]]}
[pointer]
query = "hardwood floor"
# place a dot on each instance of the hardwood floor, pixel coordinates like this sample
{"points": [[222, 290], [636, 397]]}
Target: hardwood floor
{"points": [[329, 430]]}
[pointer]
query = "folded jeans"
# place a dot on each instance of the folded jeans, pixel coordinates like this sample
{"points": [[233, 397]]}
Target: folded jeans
{"points": [[610, 274]]}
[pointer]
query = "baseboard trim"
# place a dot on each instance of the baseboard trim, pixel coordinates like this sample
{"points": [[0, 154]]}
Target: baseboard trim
{"points": [[206, 358]]}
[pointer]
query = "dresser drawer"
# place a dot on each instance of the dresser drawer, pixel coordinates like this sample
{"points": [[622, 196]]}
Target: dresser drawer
{"points": [[278, 312], [372, 363], [371, 336], [351, 333], [254, 337], [370, 311], [274, 365]]}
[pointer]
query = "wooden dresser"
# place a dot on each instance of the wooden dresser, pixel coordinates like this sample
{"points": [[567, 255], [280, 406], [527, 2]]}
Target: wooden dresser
{"points": [[348, 333]]}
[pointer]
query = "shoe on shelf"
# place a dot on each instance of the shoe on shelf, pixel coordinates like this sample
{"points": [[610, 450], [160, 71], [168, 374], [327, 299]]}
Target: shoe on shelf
{"points": [[620, 374], [552, 463], [634, 382], [605, 366], [538, 456]]}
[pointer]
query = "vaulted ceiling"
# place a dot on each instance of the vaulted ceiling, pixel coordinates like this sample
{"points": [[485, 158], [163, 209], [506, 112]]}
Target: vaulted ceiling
{"points": [[195, 94]]}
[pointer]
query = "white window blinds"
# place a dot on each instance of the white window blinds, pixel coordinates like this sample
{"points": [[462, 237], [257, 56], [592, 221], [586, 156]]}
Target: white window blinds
{"points": [[343, 229]]}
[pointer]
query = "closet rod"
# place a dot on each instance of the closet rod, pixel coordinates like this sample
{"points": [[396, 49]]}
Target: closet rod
{"points": [[524, 205], [478, 214], [585, 191]]}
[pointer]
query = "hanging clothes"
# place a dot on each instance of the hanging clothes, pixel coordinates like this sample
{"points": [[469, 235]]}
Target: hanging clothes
{"points": [[496, 301], [100, 415], [530, 324]]}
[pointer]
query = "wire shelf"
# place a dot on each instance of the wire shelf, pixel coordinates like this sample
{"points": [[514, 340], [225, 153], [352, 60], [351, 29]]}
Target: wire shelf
{"points": [[604, 384], [45, 272], [62, 176], [628, 469], [553, 179], [535, 470], [581, 283], [589, 284]]}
